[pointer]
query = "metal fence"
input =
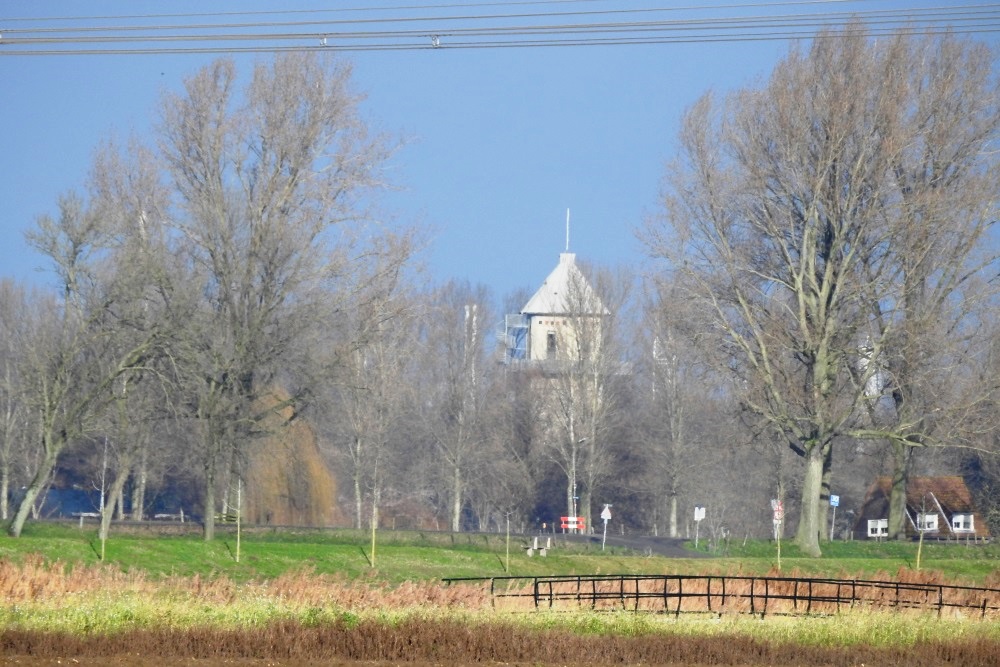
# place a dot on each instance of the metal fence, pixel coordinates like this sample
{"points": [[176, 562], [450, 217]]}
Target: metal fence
{"points": [[716, 594]]}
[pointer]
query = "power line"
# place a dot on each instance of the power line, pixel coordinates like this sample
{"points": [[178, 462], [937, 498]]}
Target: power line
{"points": [[466, 5], [271, 12], [483, 31]]}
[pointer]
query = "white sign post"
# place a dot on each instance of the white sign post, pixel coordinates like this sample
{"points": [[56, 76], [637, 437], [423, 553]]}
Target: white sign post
{"points": [[606, 515], [699, 514], [834, 501], [779, 515]]}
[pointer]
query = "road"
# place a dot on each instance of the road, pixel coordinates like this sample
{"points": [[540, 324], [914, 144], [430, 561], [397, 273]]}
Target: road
{"points": [[669, 547]]}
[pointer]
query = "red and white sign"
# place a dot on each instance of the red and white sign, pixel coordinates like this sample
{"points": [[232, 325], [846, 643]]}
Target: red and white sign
{"points": [[572, 522]]}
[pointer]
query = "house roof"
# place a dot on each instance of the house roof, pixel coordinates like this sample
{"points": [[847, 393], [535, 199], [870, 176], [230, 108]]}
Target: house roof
{"points": [[950, 491], [566, 291]]}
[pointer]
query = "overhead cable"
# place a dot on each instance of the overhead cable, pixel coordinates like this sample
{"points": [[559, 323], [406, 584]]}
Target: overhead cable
{"points": [[364, 33]]}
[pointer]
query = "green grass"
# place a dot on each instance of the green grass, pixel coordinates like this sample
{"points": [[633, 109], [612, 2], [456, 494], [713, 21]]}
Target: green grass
{"points": [[415, 556], [965, 563], [181, 584]]}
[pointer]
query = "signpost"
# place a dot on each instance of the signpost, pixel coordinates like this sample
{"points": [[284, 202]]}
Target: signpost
{"points": [[834, 502], [778, 508], [606, 515], [699, 514]]}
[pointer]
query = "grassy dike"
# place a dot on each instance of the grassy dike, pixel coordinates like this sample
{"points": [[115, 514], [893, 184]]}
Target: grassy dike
{"points": [[315, 596]]}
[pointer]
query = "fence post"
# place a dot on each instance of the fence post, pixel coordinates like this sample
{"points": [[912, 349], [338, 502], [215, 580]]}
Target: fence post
{"points": [[680, 596], [767, 594]]}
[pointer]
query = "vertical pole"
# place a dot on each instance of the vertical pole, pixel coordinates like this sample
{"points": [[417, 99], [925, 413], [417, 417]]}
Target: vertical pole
{"points": [[507, 565], [373, 540], [777, 535], [567, 230], [239, 514], [833, 522]]}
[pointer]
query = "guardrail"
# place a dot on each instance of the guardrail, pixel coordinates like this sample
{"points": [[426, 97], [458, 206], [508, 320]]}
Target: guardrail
{"points": [[716, 594]]}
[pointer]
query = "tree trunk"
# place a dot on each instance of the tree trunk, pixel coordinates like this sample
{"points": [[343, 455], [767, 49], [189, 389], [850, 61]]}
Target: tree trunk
{"points": [[116, 491], [897, 496], [585, 507], [209, 508], [809, 517], [4, 490], [34, 488], [456, 490], [673, 514], [824, 497], [358, 501], [139, 492]]}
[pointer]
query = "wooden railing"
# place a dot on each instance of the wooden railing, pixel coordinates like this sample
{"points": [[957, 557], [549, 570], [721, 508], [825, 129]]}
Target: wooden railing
{"points": [[718, 594]]}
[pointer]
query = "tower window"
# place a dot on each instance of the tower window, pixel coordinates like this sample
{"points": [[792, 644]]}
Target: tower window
{"points": [[550, 344]]}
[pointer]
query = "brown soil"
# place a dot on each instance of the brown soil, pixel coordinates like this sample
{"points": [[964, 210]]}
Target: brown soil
{"points": [[442, 642]]}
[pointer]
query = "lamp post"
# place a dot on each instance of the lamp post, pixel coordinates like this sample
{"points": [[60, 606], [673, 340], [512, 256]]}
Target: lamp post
{"points": [[576, 517]]}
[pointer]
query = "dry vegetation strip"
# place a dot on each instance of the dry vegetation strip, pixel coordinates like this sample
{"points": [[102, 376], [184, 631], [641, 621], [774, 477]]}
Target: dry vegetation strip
{"points": [[455, 642], [92, 613]]}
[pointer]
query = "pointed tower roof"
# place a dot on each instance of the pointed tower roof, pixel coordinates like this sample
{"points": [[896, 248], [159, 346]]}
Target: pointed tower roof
{"points": [[554, 296]]}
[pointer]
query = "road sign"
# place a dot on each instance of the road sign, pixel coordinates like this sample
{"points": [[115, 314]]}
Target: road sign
{"points": [[572, 522], [699, 514], [834, 500], [606, 515]]}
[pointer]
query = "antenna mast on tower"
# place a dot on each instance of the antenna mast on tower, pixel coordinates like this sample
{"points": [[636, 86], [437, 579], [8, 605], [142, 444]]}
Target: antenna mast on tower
{"points": [[567, 230]]}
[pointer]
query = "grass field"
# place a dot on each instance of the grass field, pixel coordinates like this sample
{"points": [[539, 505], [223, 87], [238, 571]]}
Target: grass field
{"points": [[315, 596], [419, 556]]}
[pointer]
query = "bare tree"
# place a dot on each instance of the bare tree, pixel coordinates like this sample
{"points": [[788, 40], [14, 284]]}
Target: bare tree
{"points": [[132, 203], [14, 310], [939, 131], [82, 343], [677, 403], [455, 380], [781, 212], [372, 403], [270, 189]]}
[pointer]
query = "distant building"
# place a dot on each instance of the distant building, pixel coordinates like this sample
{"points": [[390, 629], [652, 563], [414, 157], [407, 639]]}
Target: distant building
{"points": [[561, 322], [939, 507]]}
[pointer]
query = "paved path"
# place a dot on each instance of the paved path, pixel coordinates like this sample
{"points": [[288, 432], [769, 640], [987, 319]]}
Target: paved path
{"points": [[654, 546]]}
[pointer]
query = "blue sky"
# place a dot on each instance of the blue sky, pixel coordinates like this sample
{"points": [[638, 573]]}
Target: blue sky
{"points": [[499, 142]]}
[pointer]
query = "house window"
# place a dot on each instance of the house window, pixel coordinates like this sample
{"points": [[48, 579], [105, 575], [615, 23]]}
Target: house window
{"points": [[878, 527], [927, 522], [550, 345], [962, 523]]}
